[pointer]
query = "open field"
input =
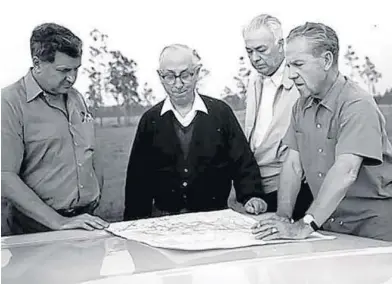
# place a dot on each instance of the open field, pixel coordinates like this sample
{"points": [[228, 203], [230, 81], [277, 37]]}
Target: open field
{"points": [[115, 144]]}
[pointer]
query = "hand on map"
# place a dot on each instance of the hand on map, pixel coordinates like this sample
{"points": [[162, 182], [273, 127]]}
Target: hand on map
{"points": [[84, 221], [278, 227], [255, 206]]}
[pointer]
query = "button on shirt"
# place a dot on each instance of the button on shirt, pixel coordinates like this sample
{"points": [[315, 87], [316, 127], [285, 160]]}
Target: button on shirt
{"points": [[346, 121], [49, 143]]}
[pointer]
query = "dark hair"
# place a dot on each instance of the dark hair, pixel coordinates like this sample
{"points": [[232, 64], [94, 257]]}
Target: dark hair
{"points": [[48, 38], [323, 38]]}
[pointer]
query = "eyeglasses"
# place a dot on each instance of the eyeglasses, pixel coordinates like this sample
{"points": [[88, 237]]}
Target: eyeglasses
{"points": [[185, 76]]}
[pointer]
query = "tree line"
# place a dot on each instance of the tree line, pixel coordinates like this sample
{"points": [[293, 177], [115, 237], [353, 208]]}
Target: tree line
{"points": [[112, 73]]}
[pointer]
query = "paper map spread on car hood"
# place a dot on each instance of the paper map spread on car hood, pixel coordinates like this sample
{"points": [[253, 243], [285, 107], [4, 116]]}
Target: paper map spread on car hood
{"points": [[222, 229]]}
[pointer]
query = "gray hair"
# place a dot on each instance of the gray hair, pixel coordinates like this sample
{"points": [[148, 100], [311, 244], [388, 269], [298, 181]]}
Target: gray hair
{"points": [[323, 38], [271, 22], [177, 47]]}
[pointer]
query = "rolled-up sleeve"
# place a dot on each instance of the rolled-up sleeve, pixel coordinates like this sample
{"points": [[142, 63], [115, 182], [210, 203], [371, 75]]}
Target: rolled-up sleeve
{"points": [[12, 147], [360, 132]]}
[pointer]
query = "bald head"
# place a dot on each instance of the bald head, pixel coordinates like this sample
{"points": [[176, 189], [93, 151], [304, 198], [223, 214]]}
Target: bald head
{"points": [[176, 56]]}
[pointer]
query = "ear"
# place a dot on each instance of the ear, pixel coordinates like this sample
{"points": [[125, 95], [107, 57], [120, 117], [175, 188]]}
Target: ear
{"points": [[36, 64], [197, 68], [281, 45], [328, 60]]}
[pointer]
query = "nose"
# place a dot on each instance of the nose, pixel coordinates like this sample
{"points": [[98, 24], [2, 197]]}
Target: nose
{"points": [[178, 83], [292, 73], [254, 56], [71, 76]]}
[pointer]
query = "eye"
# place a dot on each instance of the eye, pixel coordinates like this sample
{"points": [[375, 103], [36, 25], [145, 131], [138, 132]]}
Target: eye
{"points": [[186, 75], [299, 64], [168, 76]]}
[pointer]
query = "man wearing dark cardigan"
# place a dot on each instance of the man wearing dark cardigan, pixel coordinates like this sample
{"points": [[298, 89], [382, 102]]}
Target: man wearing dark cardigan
{"points": [[189, 150]]}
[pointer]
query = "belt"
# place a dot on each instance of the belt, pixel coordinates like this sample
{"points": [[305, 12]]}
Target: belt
{"points": [[72, 212]]}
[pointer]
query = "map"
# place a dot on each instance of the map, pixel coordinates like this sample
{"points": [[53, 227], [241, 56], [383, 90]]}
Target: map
{"points": [[196, 231]]}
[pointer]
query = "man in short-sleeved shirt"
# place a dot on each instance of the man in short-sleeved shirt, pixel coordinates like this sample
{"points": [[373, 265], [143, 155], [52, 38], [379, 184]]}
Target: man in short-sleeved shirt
{"points": [[338, 141], [49, 170]]}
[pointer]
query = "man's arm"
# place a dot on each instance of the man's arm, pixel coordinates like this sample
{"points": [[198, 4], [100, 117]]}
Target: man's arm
{"points": [[15, 190], [290, 184], [245, 171], [338, 180], [138, 196], [98, 167], [359, 142]]}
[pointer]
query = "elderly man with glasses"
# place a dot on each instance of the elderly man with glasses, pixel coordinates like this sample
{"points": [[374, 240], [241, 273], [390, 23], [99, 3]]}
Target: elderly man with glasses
{"points": [[189, 149]]}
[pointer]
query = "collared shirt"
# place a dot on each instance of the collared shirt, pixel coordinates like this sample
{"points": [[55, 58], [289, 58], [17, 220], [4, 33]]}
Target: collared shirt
{"points": [[271, 152], [49, 143], [269, 91], [346, 121], [198, 105]]}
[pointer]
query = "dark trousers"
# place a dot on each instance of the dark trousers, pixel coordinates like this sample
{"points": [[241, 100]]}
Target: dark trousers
{"points": [[304, 199]]}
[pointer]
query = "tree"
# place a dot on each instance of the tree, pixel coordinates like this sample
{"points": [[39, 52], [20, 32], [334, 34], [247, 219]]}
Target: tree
{"points": [[352, 62], [122, 82], [370, 75], [96, 69], [242, 78], [147, 95], [237, 98]]}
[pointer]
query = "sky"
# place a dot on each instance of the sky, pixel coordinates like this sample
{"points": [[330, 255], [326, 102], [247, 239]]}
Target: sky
{"points": [[141, 29]]}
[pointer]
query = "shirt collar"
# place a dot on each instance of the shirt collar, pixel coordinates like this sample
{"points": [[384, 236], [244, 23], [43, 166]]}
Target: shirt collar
{"points": [[329, 100], [32, 88], [281, 77], [198, 105]]}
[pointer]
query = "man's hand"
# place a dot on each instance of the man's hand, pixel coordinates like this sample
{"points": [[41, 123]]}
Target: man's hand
{"points": [[255, 206], [84, 221], [271, 229]]}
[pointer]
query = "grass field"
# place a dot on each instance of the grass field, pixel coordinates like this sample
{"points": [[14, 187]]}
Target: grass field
{"points": [[115, 144]]}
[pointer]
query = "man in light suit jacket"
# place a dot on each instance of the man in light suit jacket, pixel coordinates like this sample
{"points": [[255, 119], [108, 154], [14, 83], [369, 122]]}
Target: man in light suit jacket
{"points": [[270, 98]]}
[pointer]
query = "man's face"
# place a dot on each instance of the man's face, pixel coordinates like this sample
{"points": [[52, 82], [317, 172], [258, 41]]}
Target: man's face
{"points": [[59, 76], [179, 76], [264, 52], [307, 71]]}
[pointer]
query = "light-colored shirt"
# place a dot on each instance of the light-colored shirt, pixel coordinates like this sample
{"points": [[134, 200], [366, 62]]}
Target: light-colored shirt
{"points": [[346, 121], [198, 105], [265, 113], [270, 152], [49, 143]]}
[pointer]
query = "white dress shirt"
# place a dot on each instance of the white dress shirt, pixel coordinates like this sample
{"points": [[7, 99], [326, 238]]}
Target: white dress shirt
{"points": [[198, 105], [270, 87]]}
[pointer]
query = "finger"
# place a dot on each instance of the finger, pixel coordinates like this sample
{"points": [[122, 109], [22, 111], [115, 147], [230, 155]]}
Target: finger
{"points": [[100, 221], [77, 224], [94, 224], [249, 208], [266, 220], [86, 226], [259, 205], [276, 236], [263, 227], [266, 233]]}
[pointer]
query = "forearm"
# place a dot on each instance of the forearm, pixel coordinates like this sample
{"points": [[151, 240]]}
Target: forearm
{"points": [[28, 202], [98, 167], [332, 191], [289, 186]]}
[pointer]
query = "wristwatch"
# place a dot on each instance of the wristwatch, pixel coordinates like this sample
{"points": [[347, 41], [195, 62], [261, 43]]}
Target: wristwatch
{"points": [[309, 220]]}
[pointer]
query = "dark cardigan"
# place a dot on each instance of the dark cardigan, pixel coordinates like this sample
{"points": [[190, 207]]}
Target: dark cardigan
{"points": [[219, 154]]}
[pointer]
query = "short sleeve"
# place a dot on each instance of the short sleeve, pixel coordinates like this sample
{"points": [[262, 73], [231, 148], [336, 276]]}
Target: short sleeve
{"points": [[290, 138], [12, 147], [360, 132]]}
